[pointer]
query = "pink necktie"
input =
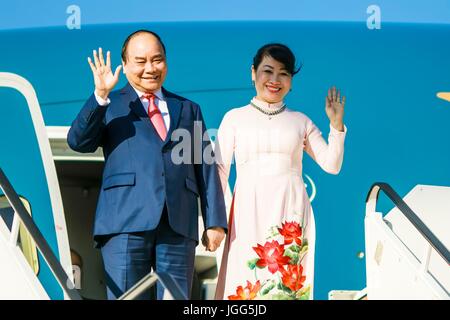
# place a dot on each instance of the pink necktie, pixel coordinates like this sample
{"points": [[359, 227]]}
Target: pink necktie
{"points": [[155, 116]]}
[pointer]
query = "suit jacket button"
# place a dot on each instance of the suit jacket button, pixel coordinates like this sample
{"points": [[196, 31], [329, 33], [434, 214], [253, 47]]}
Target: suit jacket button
{"points": [[162, 174]]}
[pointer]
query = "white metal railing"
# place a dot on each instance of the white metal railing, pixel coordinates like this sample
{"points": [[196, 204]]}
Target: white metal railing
{"points": [[21, 215], [173, 291], [393, 267], [433, 241]]}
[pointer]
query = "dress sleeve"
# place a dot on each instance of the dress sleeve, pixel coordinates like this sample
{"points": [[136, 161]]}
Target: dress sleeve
{"points": [[224, 149], [328, 156]]}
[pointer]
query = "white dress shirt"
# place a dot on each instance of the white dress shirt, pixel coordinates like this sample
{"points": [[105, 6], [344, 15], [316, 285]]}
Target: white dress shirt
{"points": [[160, 102]]}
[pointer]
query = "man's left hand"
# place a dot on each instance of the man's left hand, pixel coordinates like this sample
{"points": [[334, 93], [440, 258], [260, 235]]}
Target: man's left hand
{"points": [[212, 238]]}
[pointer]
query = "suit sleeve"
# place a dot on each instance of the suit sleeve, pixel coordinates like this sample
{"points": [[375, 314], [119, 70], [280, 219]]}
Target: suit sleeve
{"points": [[86, 133], [328, 156], [211, 194]]}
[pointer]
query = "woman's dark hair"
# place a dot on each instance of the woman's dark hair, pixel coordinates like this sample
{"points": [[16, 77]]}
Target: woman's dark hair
{"points": [[279, 52], [131, 36]]}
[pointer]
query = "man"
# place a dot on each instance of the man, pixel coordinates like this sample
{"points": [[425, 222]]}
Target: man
{"points": [[147, 212]]}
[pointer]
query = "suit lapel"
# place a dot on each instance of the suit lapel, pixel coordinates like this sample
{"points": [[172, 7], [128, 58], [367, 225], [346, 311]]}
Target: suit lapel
{"points": [[131, 100], [174, 106]]}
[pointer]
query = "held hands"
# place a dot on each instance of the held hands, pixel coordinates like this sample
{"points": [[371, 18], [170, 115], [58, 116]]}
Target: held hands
{"points": [[104, 79], [334, 108], [212, 238]]}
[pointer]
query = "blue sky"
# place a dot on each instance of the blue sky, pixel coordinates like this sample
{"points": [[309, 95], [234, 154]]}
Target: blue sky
{"points": [[31, 13]]}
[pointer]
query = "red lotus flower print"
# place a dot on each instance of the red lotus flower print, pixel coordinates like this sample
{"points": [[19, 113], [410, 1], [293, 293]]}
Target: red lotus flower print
{"points": [[247, 293], [291, 231], [271, 255], [293, 277], [280, 258]]}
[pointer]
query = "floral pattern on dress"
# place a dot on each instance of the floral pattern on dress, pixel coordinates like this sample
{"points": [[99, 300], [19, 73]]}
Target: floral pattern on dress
{"points": [[283, 261]]}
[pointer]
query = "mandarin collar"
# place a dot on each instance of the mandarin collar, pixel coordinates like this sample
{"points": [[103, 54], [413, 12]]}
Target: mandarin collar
{"points": [[268, 106]]}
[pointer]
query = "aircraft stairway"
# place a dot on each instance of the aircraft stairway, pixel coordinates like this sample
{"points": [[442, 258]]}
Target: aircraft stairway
{"points": [[407, 256]]}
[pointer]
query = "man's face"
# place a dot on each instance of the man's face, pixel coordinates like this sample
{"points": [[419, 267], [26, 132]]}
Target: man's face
{"points": [[146, 66]]}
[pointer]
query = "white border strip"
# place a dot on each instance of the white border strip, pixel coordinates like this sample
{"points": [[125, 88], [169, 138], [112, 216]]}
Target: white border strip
{"points": [[17, 82]]}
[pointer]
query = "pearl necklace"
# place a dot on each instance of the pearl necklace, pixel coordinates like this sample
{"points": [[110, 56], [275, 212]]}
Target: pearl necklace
{"points": [[269, 113]]}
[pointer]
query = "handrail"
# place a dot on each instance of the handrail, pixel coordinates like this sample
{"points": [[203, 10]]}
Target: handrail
{"points": [[47, 253], [148, 281], [371, 202]]}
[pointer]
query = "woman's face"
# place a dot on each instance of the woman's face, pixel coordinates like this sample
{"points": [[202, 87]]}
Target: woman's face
{"points": [[272, 80]]}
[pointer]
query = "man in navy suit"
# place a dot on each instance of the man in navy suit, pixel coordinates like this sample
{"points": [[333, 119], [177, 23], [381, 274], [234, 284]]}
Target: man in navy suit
{"points": [[147, 212]]}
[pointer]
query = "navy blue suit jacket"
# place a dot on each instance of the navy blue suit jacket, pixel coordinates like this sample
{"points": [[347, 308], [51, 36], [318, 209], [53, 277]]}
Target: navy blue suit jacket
{"points": [[139, 176]]}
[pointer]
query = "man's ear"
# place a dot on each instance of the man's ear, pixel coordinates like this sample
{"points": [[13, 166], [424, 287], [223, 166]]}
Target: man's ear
{"points": [[124, 67]]}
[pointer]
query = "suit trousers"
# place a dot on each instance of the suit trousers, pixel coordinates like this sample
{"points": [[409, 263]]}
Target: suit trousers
{"points": [[128, 257]]}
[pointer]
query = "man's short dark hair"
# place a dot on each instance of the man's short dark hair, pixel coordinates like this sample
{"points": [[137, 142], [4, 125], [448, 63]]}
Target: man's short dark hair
{"points": [[131, 36]]}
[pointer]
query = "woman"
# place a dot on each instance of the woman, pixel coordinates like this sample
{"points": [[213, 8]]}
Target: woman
{"points": [[269, 252]]}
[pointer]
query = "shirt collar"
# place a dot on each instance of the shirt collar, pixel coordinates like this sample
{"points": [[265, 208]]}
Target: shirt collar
{"points": [[158, 93]]}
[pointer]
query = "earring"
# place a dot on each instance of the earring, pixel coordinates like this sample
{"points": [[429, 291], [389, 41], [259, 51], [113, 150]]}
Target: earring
{"points": [[253, 82]]}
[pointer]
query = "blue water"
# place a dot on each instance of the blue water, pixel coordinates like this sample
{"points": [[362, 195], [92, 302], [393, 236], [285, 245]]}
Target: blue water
{"points": [[397, 128]]}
